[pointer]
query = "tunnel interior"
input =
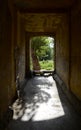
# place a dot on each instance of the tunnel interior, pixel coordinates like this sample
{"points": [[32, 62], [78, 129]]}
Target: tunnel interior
{"points": [[21, 20]]}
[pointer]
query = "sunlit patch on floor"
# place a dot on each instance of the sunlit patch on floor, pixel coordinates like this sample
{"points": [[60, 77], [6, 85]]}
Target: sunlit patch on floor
{"points": [[40, 102]]}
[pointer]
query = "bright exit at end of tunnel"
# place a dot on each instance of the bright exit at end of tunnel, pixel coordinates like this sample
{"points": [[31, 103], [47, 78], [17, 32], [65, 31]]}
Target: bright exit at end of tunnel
{"points": [[42, 53]]}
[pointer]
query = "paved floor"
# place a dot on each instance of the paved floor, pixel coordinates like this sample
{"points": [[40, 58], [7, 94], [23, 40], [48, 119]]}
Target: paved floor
{"points": [[44, 107]]}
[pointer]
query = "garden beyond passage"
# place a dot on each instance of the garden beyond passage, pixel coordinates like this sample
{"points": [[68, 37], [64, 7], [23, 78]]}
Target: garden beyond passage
{"points": [[42, 53]]}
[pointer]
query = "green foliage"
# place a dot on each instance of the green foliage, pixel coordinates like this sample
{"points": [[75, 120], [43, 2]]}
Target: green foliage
{"points": [[37, 42], [41, 47], [47, 65]]}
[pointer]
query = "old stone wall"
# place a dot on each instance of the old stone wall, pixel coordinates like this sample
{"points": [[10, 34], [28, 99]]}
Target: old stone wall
{"points": [[5, 57], [27, 54], [20, 66], [75, 81], [62, 50], [7, 77]]}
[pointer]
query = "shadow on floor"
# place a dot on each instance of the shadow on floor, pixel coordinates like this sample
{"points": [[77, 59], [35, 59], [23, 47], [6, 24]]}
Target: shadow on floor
{"points": [[43, 107]]}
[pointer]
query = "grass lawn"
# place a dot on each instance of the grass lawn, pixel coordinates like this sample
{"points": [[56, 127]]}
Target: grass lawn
{"points": [[47, 65]]}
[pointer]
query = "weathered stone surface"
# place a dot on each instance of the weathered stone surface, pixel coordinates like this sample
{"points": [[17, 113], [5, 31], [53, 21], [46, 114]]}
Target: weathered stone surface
{"points": [[7, 85], [75, 79], [62, 50], [44, 107], [39, 23], [43, 4]]}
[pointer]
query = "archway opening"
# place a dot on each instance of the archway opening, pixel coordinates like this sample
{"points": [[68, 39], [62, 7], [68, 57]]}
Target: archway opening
{"points": [[42, 51]]}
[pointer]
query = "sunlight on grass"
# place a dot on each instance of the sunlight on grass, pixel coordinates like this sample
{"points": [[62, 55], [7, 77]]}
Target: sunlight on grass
{"points": [[47, 65]]}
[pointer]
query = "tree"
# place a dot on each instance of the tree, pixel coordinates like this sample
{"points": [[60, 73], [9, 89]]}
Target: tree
{"points": [[40, 48]]}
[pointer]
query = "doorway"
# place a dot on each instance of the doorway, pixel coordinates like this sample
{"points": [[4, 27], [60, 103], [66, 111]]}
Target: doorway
{"points": [[42, 51]]}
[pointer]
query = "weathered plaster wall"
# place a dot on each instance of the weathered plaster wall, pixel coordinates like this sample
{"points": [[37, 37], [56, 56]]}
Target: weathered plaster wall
{"points": [[75, 82], [62, 50]]}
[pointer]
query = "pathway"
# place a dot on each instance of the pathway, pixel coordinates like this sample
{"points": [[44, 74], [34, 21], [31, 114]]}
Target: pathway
{"points": [[44, 107]]}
